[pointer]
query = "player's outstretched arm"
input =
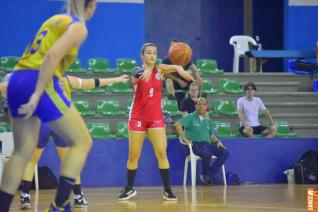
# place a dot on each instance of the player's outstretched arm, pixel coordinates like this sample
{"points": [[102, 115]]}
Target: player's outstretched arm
{"points": [[167, 69], [87, 84]]}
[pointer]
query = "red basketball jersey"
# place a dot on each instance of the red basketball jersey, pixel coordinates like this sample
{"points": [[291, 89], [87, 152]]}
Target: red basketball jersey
{"points": [[146, 105]]}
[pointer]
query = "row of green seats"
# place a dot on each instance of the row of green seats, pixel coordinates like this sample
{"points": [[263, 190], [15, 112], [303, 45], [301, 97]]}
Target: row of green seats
{"points": [[104, 107], [224, 85], [101, 65], [111, 107], [102, 130], [97, 130], [124, 65], [223, 130]]}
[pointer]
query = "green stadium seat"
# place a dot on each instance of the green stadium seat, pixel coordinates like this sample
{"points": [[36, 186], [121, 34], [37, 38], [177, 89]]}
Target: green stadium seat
{"points": [[99, 65], [109, 108], [170, 106], [122, 130], [224, 107], [8, 63], [120, 87], [5, 127], [207, 87], [230, 86], [83, 107], [223, 129], [100, 130], [283, 130], [125, 65], [208, 66], [76, 67]]}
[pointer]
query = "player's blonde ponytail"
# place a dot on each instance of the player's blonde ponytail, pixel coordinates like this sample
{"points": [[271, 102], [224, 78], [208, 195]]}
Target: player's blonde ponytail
{"points": [[77, 7]]}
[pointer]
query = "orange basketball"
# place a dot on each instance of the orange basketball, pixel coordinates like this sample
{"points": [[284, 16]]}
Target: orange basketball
{"points": [[180, 54]]}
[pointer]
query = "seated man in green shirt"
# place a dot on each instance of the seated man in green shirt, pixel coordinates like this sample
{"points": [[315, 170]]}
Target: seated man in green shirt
{"points": [[198, 131]]}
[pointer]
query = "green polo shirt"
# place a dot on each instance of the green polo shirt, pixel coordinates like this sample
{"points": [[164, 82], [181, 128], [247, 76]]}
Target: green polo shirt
{"points": [[196, 129]]}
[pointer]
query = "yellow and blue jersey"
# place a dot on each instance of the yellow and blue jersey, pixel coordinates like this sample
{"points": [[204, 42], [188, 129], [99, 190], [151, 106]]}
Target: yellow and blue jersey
{"points": [[46, 132], [67, 87], [50, 31]]}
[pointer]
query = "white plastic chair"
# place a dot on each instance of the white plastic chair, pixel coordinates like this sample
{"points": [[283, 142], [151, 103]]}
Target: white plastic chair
{"points": [[7, 144], [241, 45], [192, 158]]}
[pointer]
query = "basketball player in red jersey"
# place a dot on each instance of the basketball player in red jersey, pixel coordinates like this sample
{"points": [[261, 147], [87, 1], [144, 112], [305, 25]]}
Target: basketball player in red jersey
{"points": [[146, 117]]}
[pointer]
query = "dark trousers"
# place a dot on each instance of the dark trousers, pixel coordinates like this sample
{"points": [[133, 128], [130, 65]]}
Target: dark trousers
{"points": [[179, 97], [205, 151]]}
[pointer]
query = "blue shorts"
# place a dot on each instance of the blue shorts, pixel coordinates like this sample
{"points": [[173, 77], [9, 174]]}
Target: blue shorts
{"points": [[46, 133], [53, 103]]}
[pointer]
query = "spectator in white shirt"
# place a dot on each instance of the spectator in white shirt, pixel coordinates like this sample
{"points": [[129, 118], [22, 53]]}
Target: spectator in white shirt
{"points": [[248, 108]]}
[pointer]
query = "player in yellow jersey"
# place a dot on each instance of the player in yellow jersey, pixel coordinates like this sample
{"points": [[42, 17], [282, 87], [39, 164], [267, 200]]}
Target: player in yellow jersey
{"points": [[69, 83], [34, 96]]}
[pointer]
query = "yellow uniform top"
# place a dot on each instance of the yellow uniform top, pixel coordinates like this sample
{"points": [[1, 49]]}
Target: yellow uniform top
{"points": [[50, 31]]}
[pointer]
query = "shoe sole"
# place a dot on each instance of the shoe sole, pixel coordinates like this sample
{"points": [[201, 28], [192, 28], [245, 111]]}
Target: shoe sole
{"points": [[25, 206], [129, 197], [80, 206], [169, 199]]}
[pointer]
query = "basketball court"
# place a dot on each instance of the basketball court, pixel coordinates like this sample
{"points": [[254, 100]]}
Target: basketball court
{"points": [[201, 198]]}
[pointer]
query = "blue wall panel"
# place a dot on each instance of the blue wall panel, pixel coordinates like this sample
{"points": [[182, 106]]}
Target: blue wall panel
{"points": [[116, 30], [206, 25], [220, 21], [170, 19], [300, 27], [254, 160], [270, 28], [20, 21]]}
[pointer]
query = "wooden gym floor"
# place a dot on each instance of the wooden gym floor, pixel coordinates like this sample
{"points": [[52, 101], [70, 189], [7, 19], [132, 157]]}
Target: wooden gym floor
{"points": [[280, 197]]}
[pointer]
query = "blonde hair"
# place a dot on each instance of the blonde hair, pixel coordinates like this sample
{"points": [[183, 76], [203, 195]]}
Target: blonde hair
{"points": [[77, 7]]}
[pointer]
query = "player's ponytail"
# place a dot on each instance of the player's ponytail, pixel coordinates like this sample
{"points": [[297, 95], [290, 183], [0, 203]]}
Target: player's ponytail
{"points": [[78, 7]]}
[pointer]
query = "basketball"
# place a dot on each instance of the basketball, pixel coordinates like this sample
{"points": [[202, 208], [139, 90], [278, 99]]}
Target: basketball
{"points": [[180, 54]]}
